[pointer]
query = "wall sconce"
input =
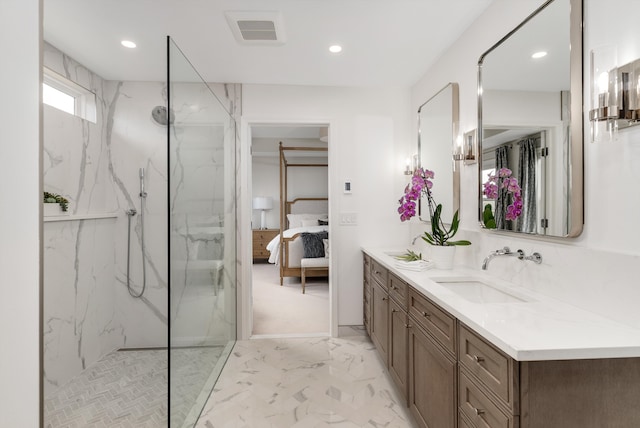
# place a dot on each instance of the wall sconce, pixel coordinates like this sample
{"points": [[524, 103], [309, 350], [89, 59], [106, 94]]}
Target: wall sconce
{"points": [[615, 94], [263, 203], [411, 165], [466, 148]]}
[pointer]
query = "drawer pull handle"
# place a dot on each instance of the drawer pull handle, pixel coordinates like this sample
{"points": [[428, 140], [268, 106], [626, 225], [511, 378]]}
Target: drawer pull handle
{"points": [[407, 325], [394, 310], [477, 358], [424, 314], [384, 298], [478, 412]]}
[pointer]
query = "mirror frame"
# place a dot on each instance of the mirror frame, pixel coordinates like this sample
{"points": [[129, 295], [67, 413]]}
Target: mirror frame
{"points": [[576, 146], [455, 130]]}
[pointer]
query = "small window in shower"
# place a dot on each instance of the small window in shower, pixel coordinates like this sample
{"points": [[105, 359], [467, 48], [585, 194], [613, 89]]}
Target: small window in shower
{"points": [[63, 94]]}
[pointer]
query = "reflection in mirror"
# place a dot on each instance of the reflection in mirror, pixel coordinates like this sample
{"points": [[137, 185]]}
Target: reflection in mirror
{"points": [[530, 123], [437, 134]]}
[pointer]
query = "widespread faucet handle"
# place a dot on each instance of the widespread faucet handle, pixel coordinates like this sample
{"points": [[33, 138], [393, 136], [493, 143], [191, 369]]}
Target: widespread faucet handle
{"points": [[504, 250], [535, 257]]}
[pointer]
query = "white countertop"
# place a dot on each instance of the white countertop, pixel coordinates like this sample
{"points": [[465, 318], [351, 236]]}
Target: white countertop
{"points": [[539, 328]]}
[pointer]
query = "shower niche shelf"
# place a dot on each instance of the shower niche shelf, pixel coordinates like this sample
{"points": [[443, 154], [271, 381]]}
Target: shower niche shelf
{"points": [[79, 217]]}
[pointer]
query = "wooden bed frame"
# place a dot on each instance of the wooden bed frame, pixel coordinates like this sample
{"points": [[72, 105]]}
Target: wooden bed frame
{"points": [[286, 207]]}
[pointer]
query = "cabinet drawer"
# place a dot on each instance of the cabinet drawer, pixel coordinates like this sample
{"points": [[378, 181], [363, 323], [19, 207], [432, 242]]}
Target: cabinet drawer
{"points": [[479, 408], [494, 369], [264, 236], [261, 253], [379, 273], [433, 319], [399, 291]]}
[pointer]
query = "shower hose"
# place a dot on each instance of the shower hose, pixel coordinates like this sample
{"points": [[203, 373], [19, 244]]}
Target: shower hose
{"points": [[130, 214]]}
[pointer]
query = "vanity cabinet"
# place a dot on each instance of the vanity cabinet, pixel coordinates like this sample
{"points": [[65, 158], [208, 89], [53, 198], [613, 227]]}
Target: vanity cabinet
{"points": [[454, 377]]}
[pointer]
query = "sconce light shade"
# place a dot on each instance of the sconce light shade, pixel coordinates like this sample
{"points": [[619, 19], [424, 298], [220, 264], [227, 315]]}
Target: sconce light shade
{"points": [[469, 147], [615, 94], [263, 203], [411, 165], [604, 93], [465, 148]]}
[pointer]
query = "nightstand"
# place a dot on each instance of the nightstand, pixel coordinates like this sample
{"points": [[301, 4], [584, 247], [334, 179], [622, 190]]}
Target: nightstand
{"points": [[261, 237]]}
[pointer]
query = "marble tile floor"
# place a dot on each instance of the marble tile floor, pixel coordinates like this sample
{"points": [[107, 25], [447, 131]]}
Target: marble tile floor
{"points": [[129, 389], [304, 382]]}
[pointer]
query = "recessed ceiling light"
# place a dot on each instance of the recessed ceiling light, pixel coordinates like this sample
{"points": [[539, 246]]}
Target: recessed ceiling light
{"points": [[335, 49], [128, 44], [539, 54]]}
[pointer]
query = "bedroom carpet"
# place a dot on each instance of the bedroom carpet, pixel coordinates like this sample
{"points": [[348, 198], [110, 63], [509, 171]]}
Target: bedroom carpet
{"points": [[284, 309]]}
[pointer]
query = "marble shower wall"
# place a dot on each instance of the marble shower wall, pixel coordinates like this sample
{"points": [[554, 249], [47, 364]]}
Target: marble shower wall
{"points": [[87, 309], [80, 319]]}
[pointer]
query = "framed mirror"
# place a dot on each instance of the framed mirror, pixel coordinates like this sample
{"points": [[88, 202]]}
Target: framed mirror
{"points": [[438, 120], [530, 123]]}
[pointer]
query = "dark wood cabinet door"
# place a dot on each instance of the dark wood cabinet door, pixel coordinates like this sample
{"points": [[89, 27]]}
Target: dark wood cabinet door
{"points": [[380, 320], [432, 382], [398, 347]]}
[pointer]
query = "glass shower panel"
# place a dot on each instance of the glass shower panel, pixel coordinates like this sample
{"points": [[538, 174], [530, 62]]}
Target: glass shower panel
{"points": [[202, 229]]}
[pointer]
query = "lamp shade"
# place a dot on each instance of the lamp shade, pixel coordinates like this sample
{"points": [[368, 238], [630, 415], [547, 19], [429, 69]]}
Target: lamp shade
{"points": [[262, 203]]}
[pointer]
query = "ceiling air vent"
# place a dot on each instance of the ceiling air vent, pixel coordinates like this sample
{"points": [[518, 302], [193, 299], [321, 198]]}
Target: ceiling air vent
{"points": [[256, 27]]}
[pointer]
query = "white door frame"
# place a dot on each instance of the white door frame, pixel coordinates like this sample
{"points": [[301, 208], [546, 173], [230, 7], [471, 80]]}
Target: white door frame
{"points": [[245, 301]]}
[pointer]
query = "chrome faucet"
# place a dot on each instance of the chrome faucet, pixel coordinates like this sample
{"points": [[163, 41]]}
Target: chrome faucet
{"points": [[535, 257], [502, 252], [413, 241]]}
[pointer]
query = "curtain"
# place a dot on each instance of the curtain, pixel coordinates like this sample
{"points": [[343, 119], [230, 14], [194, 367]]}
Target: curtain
{"points": [[527, 222], [502, 161]]}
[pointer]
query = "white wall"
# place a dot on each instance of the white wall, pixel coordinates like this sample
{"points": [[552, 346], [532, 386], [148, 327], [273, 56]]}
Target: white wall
{"points": [[369, 139], [20, 150], [597, 270]]}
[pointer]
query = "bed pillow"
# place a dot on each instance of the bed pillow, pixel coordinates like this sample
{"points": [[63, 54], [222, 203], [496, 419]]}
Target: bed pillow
{"points": [[307, 223], [312, 245], [323, 222], [295, 220]]}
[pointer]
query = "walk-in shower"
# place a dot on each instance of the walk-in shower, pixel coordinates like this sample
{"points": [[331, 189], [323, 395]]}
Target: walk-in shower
{"points": [[130, 213], [152, 360]]}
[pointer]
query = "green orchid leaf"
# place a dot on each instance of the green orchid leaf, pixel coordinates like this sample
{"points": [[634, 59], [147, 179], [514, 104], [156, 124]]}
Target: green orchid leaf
{"points": [[487, 217], [460, 242]]}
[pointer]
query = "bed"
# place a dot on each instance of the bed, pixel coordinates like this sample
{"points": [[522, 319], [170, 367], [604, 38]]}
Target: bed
{"points": [[300, 215]]}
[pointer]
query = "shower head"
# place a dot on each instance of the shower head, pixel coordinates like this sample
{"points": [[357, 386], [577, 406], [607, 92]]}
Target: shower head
{"points": [[161, 117]]}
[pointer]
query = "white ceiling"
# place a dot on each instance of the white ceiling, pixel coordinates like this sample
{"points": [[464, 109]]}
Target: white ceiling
{"points": [[386, 42]]}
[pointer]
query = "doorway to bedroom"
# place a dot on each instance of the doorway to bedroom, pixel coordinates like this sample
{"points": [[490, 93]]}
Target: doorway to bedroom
{"points": [[290, 252]]}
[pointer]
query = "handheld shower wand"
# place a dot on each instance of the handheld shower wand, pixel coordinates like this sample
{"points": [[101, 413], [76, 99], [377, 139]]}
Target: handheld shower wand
{"points": [[143, 194]]}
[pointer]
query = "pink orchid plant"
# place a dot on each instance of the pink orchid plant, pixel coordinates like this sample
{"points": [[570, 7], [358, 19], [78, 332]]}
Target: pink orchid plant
{"points": [[421, 185], [491, 189]]}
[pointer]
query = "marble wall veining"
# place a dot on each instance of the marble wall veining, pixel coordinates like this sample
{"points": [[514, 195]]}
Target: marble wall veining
{"points": [[87, 309]]}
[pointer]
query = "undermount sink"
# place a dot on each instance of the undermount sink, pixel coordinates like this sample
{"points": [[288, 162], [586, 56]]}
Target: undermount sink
{"points": [[478, 291]]}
